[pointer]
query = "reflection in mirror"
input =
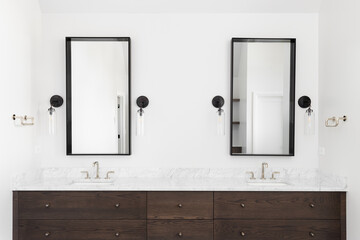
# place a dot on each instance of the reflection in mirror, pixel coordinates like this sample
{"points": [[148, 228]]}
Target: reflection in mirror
{"points": [[98, 93], [263, 89]]}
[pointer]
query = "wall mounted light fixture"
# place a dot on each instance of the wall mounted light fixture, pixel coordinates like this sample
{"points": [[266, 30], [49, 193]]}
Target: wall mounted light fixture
{"points": [[218, 102], [55, 102], [142, 102], [309, 116]]}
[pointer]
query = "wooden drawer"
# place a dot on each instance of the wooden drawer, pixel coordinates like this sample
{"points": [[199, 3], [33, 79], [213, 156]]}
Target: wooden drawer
{"points": [[277, 229], [180, 229], [180, 205], [82, 205], [276, 205], [82, 229]]}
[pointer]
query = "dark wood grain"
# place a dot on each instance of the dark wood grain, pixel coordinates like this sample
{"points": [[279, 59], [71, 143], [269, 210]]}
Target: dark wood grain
{"points": [[343, 215], [194, 205], [82, 229], [259, 215], [277, 229], [82, 205], [276, 205], [15, 215], [180, 229]]}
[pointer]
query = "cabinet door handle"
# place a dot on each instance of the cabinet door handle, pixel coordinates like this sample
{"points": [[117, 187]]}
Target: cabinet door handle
{"points": [[117, 205], [312, 205], [242, 234], [47, 234], [117, 234], [47, 205], [312, 234], [180, 205], [180, 234], [242, 205]]}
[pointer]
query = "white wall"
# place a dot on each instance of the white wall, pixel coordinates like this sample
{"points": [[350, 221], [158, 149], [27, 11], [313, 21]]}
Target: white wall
{"points": [[180, 61], [339, 95], [20, 33]]}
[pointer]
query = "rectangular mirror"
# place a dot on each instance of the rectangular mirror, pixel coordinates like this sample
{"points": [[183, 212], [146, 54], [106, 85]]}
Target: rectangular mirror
{"points": [[98, 96], [263, 97]]}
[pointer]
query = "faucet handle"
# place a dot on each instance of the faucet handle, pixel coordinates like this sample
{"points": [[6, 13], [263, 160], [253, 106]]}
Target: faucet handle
{"points": [[273, 175], [108, 173], [252, 177], [87, 174]]}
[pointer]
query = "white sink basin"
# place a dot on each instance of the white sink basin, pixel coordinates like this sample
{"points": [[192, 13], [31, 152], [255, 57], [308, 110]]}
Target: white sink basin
{"points": [[93, 182], [267, 183]]}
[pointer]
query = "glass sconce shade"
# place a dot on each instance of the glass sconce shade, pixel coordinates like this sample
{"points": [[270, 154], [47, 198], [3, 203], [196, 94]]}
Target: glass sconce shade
{"points": [[52, 120], [140, 119], [309, 116], [309, 120], [142, 102], [55, 102], [218, 102], [221, 122]]}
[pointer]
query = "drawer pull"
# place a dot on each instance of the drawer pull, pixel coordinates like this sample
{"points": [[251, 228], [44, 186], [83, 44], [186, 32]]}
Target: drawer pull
{"points": [[242, 234], [312, 234], [180, 205], [180, 234], [117, 205], [47, 234], [47, 205], [242, 205], [312, 205], [117, 234]]}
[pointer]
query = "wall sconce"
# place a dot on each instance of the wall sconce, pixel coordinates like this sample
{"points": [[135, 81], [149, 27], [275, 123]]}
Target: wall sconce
{"points": [[309, 116], [55, 102], [218, 102], [142, 102]]}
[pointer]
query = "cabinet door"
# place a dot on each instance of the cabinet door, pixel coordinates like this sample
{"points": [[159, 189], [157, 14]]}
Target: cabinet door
{"points": [[180, 229], [82, 205], [276, 205], [82, 229], [180, 205], [277, 229]]}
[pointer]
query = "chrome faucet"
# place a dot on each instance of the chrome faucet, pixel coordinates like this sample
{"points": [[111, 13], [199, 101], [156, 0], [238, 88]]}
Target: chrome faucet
{"points": [[264, 165], [97, 169]]}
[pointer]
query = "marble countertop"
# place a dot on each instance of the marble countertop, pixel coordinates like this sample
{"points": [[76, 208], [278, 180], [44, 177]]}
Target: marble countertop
{"points": [[56, 179]]}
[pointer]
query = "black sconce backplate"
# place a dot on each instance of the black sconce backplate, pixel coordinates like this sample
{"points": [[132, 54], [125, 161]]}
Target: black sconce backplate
{"points": [[142, 102], [56, 101], [304, 102], [218, 101]]}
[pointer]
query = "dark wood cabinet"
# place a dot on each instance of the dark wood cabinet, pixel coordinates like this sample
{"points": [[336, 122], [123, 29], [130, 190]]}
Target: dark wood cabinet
{"points": [[184, 229], [82, 205], [82, 229], [93, 215], [277, 229], [281, 205], [180, 205]]}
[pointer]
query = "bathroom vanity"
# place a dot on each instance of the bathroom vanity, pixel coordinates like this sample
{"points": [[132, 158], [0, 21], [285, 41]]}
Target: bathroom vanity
{"points": [[167, 215], [169, 204]]}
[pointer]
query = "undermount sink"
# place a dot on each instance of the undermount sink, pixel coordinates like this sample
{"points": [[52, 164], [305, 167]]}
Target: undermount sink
{"points": [[92, 182], [265, 183]]}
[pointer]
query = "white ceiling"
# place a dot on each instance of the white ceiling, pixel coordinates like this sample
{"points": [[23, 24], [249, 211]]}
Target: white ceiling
{"points": [[180, 6]]}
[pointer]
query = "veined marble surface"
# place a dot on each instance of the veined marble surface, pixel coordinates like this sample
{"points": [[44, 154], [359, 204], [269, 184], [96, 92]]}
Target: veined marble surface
{"points": [[178, 179]]}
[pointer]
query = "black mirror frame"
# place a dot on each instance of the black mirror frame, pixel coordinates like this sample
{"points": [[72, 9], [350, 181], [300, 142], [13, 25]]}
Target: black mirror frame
{"points": [[68, 41], [292, 42]]}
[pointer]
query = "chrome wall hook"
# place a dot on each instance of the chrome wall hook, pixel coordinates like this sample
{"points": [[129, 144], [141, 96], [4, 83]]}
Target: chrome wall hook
{"points": [[334, 121]]}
